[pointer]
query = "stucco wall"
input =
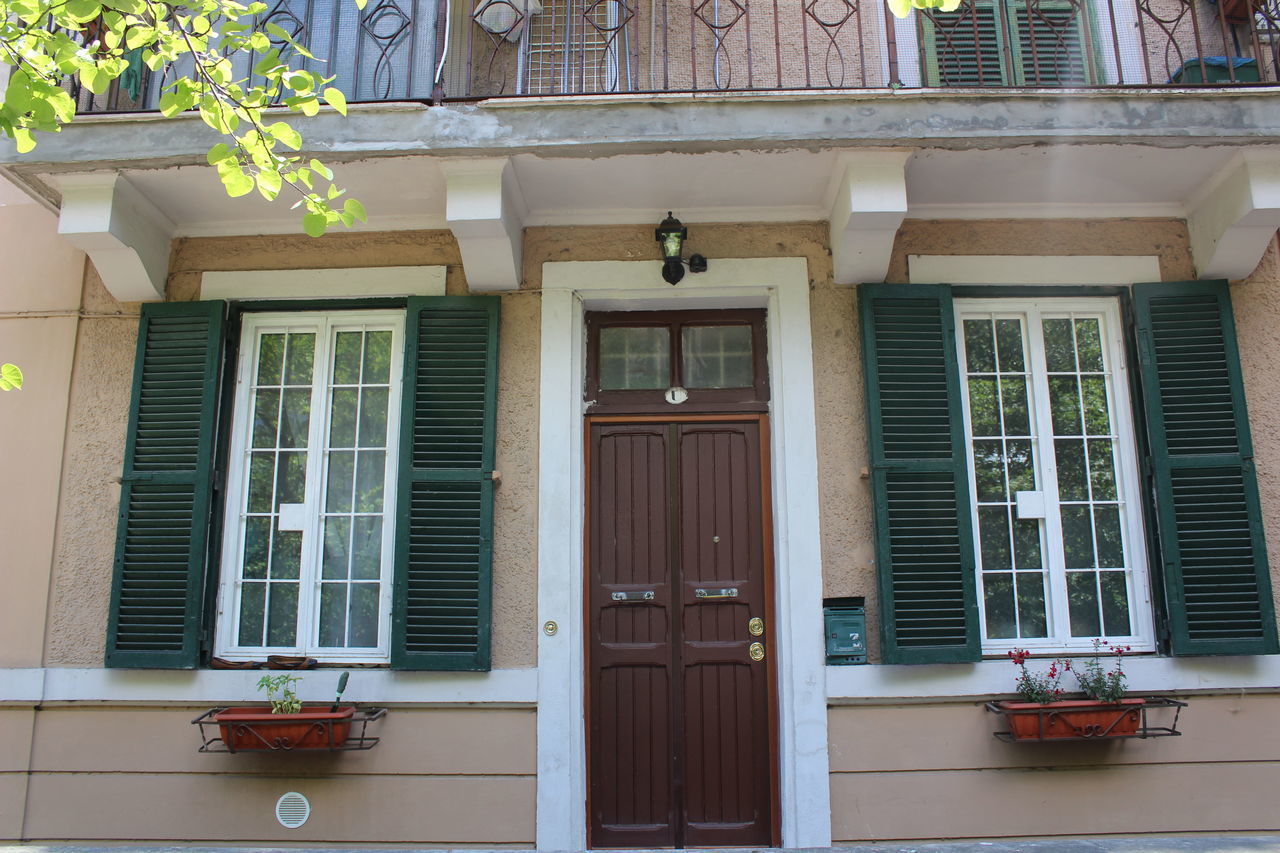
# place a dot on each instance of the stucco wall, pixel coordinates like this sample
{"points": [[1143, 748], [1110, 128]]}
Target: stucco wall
{"points": [[100, 391]]}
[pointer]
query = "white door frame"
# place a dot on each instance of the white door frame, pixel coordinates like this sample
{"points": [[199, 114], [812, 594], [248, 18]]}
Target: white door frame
{"points": [[569, 290]]}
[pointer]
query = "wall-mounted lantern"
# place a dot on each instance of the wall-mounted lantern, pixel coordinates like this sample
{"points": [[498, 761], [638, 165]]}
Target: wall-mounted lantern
{"points": [[671, 235]]}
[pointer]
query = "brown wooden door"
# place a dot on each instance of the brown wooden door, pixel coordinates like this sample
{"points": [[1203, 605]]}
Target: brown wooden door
{"points": [[680, 732]]}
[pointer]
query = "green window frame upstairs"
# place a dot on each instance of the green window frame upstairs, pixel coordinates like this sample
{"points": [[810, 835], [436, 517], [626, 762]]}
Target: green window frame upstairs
{"points": [[1009, 43]]}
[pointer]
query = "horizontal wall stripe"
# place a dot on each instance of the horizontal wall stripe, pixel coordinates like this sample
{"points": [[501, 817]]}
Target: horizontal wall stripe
{"points": [[511, 687]]}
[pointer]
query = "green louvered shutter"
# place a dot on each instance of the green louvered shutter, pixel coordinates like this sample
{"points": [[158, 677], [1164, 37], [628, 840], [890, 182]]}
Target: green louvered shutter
{"points": [[1213, 552], [924, 535], [165, 490], [1008, 43], [444, 532]]}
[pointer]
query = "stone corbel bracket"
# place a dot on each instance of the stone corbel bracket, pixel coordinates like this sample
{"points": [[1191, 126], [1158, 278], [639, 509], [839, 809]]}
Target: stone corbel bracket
{"points": [[868, 201], [486, 211], [1234, 216], [123, 233]]}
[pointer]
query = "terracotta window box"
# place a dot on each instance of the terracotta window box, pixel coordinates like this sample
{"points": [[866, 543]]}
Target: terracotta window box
{"points": [[317, 727], [1085, 719]]}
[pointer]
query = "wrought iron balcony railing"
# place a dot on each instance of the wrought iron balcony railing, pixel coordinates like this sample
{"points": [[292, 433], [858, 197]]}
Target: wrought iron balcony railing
{"points": [[436, 50]]}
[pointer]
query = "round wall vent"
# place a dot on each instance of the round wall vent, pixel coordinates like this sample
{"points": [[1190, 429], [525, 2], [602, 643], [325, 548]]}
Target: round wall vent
{"points": [[292, 810]]}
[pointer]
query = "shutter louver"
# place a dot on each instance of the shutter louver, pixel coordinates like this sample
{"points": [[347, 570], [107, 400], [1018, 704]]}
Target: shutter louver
{"points": [[1216, 578], [1007, 43], [166, 488], [444, 535], [924, 539]]}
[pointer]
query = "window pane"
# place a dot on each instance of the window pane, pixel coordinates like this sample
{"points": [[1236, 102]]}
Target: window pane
{"points": [[997, 590], [370, 473], [1013, 397], [717, 356], [1089, 344], [333, 615], [1059, 349], [1106, 525], [337, 545], [1097, 418], [993, 531], [286, 554], [282, 621], [373, 417], [346, 358], [342, 473], [364, 615], [1022, 474], [291, 478], [1077, 537], [1073, 484], [979, 346], [1009, 346], [984, 406], [1115, 604], [366, 547], [295, 419], [1082, 603], [271, 359], [634, 357], [1026, 544], [1102, 474], [257, 541], [253, 608], [299, 359], [1064, 404], [1032, 620], [988, 466], [377, 358], [342, 417], [262, 481], [266, 417]]}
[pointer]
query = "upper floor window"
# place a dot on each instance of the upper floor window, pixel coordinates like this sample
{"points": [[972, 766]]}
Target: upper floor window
{"points": [[1052, 475]]}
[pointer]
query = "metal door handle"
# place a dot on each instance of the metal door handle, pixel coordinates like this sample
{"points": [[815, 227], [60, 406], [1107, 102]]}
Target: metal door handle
{"points": [[723, 592], [642, 595]]}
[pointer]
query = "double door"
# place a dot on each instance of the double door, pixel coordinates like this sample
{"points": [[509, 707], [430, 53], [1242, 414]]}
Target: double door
{"points": [[681, 740]]}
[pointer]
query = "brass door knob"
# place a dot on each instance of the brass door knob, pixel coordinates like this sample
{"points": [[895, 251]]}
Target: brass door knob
{"points": [[756, 651]]}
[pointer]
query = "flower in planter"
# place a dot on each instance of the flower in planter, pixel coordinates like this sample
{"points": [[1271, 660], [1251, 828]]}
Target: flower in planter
{"points": [[1098, 683], [1039, 687]]}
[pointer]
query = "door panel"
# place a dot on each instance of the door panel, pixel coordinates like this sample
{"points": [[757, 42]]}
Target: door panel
{"points": [[679, 734]]}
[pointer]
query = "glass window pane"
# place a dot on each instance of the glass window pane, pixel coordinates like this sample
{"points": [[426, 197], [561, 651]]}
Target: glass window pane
{"points": [[373, 417], [261, 481], [270, 359], [1022, 474], [1077, 537], [296, 417], [346, 358], [342, 417], [333, 615], [1017, 415], [370, 475], [286, 554], [1097, 419], [1064, 404], [1072, 482], [1115, 604], [1106, 525], [364, 615], [366, 548], [997, 592], [1059, 349], [266, 417], [377, 358], [1102, 474], [984, 406], [979, 346], [1009, 345], [253, 608], [1089, 344], [988, 466], [342, 472], [1026, 544], [337, 545], [1082, 604], [717, 357], [635, 357], [291, 478], [257, 541], [282, 619], [1032, 618], [993, 533], [299, 360]]}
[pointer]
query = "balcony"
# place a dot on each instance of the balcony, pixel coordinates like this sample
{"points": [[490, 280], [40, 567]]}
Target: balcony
{"points": [[413, 50]]}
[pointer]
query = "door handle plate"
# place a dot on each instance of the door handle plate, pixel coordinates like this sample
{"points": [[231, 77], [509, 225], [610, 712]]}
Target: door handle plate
{"points": [[756, 651], [755, 626]]}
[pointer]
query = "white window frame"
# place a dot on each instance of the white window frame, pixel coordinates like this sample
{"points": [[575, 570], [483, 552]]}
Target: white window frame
{"points": [[326, 324], [1128, 481]]}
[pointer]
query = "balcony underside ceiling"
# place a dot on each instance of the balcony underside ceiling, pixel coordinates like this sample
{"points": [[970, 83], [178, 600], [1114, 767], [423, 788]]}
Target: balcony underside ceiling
{"points": [[488, 171]]}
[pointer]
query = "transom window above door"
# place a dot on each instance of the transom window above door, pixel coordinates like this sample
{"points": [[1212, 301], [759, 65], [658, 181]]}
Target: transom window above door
{"points": [[1052, 475], [660, 361]]}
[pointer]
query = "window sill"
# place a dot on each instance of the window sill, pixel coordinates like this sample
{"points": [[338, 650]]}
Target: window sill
{"points": [[879, 684]]}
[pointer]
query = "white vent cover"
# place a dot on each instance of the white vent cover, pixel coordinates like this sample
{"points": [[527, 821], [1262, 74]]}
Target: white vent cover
{"points": [[292, 810]]}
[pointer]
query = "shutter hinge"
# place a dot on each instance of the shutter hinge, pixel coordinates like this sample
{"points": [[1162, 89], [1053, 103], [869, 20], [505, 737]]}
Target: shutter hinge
{"points": [[218, 479]]}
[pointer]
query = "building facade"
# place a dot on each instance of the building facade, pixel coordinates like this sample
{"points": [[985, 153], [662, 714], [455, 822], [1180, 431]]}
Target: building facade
{"points": [[985, 338]]}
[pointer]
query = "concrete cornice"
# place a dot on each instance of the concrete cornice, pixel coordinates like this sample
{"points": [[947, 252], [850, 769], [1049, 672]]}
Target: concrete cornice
{"points": [[652, 124]]}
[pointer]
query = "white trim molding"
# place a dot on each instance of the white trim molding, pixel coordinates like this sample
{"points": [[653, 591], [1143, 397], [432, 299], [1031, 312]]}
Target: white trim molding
{"points": [[222, 686], [1033, 269], [781, 285], [360, 282]]}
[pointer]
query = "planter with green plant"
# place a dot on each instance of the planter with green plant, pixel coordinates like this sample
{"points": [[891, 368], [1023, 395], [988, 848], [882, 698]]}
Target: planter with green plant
{"points": [[286, 724], [1042, 714]]}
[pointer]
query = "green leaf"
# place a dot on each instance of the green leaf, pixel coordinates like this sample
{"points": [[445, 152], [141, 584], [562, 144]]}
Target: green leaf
{"points": [[356, 209], [269, 184], [900, 8], [314, 224], [334, 98], [24, 140], [236, 183], [10, 377], [218, 153], [286, 134], [321, 169]]}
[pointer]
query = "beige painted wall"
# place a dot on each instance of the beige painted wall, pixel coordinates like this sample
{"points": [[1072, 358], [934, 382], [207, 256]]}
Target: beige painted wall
{"points": [[935, 771], [444, 776], [100, 398], [39, 304]]}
